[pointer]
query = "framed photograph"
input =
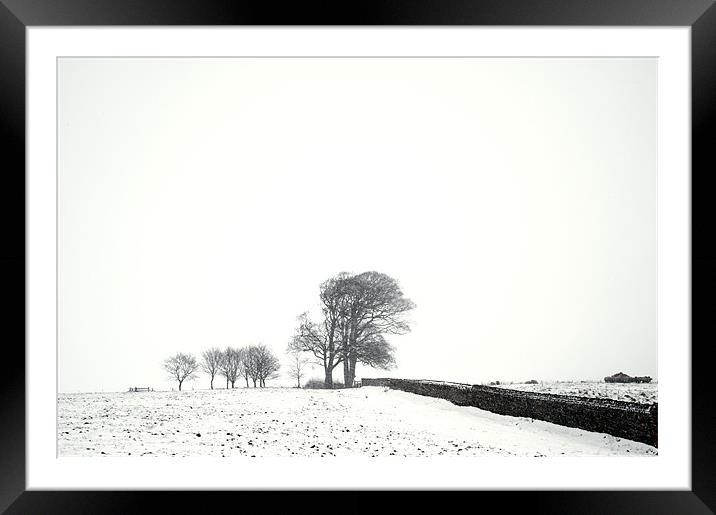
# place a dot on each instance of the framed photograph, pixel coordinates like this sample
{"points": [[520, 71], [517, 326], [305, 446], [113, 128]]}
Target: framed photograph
{"points": [[445, 248]]}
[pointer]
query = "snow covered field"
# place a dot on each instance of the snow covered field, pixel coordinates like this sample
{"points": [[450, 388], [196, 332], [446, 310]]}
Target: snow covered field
{"points": [[631, 392], [370, 421]]}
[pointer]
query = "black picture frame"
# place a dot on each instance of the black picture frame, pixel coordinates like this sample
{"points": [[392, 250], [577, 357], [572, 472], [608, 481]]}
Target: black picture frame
{"points": [[17, 15]]}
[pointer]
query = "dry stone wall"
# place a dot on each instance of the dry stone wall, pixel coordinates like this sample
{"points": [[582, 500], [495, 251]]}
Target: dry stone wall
{"points": [[629, 420]]}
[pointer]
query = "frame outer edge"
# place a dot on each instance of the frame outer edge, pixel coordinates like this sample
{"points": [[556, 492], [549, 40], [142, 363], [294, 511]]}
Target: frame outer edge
{"points": [[703, 283], [365, 12], [12, 270], [12, 256]]}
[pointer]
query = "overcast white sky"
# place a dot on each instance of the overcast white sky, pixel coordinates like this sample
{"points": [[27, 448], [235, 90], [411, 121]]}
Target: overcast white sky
{"points": [[202, 202]]}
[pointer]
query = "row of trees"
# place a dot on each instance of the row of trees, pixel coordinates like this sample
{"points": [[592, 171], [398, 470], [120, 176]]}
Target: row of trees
{"points": [[357, 312], [256, 363]]}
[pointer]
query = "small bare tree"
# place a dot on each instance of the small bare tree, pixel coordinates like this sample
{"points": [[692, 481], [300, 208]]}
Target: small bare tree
{"points": [[232, 365], [181, 367], [245, 365], [297, 364], [268, 364], [251, 364], [259, 364], [224, 368], [211, 361]]}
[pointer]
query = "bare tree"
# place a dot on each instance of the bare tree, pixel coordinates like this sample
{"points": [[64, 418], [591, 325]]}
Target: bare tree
{"points": [[297, 363], [323, 339], [374, 305], [211, 361], [267, 364], [232, 365], [246, 366], [181, 367], [251, 364], [357, 311], [224, 368], [319, 340]]}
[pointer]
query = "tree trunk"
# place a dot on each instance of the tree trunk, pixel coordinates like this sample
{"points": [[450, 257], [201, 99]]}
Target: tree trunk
{"points": [[254, 380], [352, 369], [328, 382], [227, 383], [232, 384], [180, 386], [247, 382], [212, 382], [346, 373]]}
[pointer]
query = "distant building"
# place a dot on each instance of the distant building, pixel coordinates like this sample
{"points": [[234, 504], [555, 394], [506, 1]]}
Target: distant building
{"points": [[621, 377]]}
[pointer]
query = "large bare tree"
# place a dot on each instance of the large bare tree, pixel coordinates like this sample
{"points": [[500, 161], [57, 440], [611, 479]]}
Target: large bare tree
{"points": [[323, 339], [357, 311], [319, 340], [374, 305], [211, 361], [181, 367]]}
